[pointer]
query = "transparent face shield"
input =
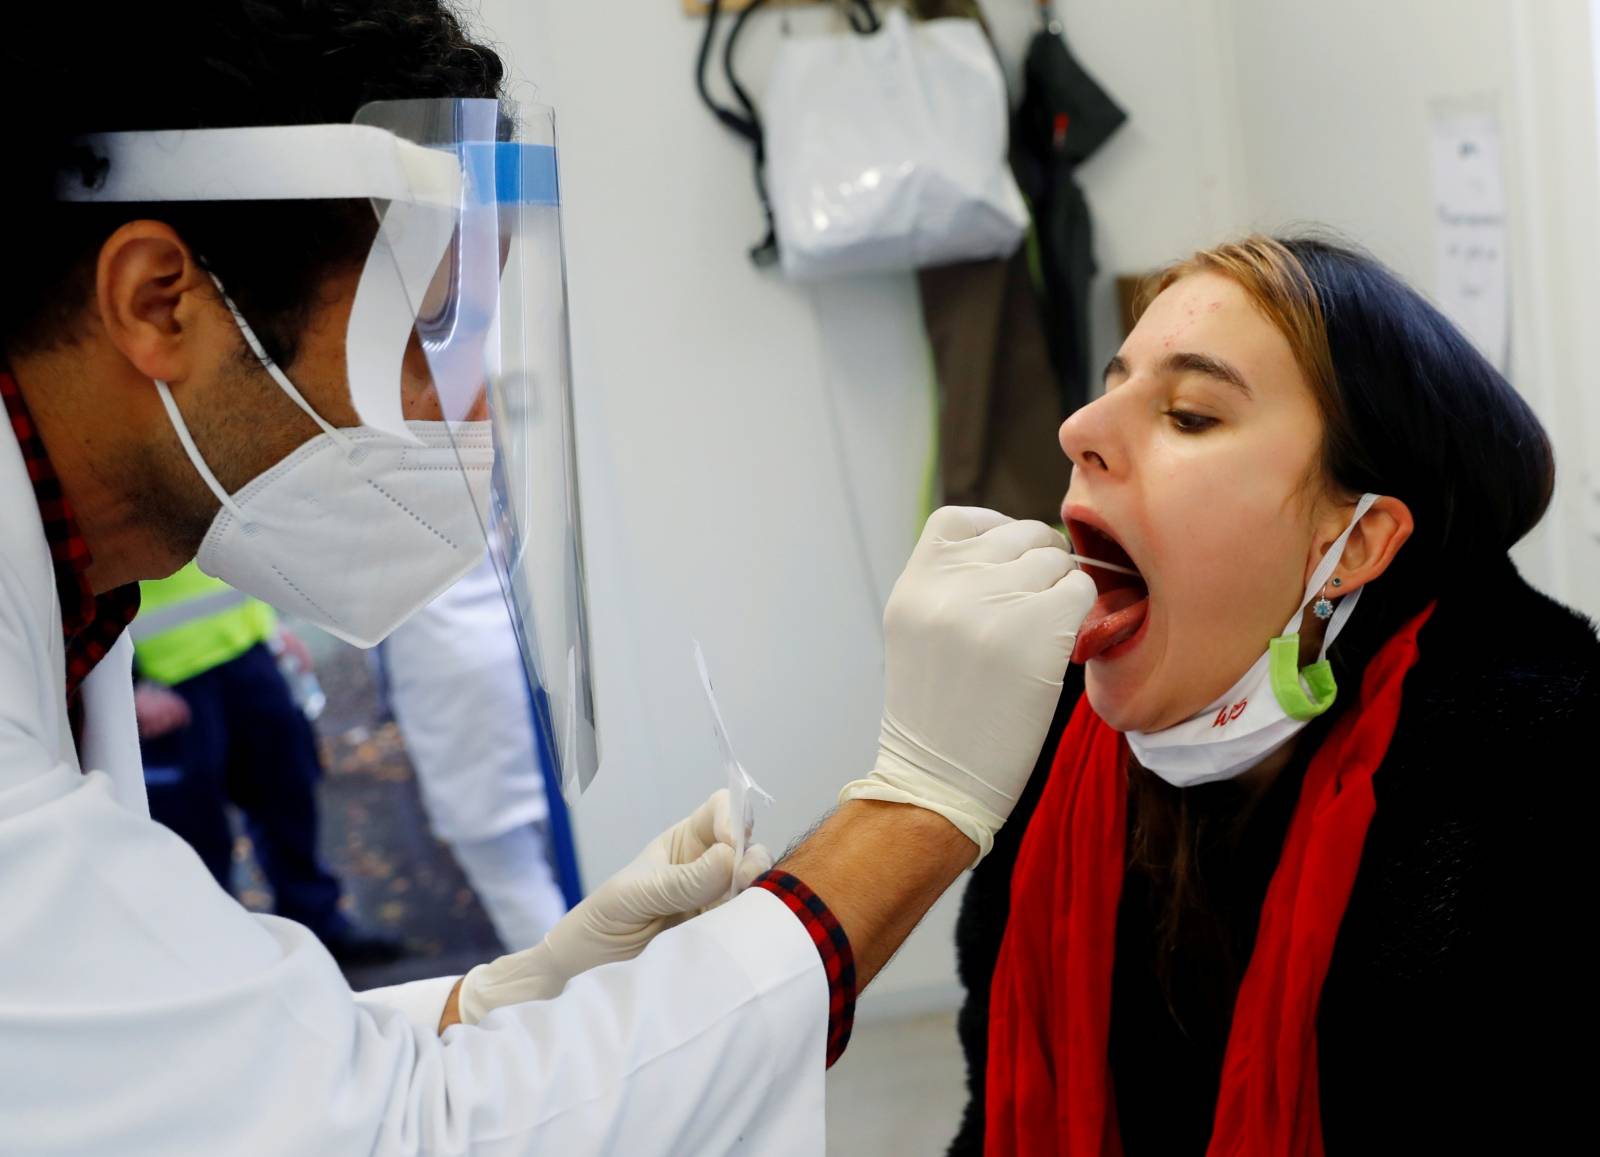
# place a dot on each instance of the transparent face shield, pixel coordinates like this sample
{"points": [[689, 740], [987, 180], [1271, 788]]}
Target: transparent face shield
{"points": [[458, 331], [484, 284]]}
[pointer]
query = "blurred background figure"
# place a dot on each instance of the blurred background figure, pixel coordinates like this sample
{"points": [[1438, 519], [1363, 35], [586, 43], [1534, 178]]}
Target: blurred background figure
{"points": [[456, 687], [219, 724]]}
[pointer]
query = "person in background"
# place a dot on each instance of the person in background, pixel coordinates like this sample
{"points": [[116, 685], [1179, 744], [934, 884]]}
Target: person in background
{"points": [[219, 725], [455, 683]]}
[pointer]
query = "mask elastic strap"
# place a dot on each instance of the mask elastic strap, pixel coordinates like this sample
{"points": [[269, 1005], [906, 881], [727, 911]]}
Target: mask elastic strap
{"points": [[276, 371], [195, 457], [1341, 615], [1306, 694], [1329, 564]]}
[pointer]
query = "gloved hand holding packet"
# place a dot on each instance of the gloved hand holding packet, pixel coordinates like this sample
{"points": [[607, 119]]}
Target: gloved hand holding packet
{"points": [[743, 791]]}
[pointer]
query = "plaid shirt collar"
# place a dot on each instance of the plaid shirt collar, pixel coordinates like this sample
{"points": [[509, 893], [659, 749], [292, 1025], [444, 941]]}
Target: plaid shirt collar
{"points": [[89, 624]]}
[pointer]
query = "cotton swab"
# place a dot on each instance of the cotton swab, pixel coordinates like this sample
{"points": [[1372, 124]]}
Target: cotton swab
{"points": [[1085, 560]]}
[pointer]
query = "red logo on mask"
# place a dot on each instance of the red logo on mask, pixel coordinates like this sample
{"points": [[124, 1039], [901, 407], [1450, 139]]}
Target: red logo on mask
{"points": [[1228, 714]]}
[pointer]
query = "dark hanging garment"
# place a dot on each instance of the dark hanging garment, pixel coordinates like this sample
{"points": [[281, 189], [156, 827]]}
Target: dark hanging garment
{"points": [[999, 406], [1010, 341], [1065, 116]]}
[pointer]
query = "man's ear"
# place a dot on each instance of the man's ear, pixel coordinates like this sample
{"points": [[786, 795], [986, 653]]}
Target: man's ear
{"points": [[152, 295]]}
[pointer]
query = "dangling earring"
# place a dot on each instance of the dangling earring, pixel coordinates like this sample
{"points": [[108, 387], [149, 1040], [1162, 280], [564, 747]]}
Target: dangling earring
{"points": [[1323, 607]]}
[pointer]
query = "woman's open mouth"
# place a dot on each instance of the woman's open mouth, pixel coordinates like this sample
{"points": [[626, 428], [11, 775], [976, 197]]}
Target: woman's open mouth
{"points": [[1124, 602]]}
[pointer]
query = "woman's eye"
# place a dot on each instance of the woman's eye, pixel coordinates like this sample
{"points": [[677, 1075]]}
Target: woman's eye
{"points": [[1190, 423]]}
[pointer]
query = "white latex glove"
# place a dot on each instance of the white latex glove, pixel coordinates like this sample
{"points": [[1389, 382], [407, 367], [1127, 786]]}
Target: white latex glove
{"points": [[978, 633], [682, 872]]}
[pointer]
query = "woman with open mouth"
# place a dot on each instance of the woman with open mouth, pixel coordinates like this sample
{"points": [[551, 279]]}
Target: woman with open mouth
{"points": [[1298, 870]]}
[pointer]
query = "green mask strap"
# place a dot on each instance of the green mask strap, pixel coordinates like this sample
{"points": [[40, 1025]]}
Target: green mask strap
{"points": [[1283, 666]]}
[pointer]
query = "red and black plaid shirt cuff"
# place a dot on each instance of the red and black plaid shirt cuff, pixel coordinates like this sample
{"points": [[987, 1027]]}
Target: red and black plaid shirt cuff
{"points": [[832, 945]]}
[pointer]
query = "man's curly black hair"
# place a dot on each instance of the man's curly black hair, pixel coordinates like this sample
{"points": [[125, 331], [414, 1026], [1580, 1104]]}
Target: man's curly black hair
{"points": [[66, 71]]}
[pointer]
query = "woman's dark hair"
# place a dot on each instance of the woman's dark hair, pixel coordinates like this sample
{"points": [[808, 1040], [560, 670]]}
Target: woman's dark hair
{"points": [[204, 64], [1410, 409]]}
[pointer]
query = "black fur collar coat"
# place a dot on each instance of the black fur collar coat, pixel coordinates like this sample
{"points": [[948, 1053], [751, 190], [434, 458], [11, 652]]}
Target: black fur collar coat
{"points": [[1457, 1013]]}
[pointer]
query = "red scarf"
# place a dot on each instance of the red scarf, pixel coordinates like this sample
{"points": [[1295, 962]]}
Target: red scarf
{"points": [[1049, 1079]]}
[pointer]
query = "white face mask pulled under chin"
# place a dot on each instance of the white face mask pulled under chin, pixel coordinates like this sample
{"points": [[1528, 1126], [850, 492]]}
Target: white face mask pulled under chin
{"points": [[1269, 704], [358, 528]]}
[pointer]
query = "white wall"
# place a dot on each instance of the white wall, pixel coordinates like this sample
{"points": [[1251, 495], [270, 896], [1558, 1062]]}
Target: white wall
{"points": [[715, 499], [717, 502], [716, 505], [1332, 108]]}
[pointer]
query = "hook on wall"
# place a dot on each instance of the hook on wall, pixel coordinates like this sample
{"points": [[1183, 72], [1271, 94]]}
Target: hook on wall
{"points": [[701, 7]]}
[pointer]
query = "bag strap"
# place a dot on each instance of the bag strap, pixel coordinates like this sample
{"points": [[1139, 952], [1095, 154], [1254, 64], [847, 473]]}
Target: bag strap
{"points": [[745, 121], [863, 17]]}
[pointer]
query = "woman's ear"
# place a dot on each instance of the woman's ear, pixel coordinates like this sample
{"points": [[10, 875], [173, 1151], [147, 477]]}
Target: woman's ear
{"points": [[1372, 546]]}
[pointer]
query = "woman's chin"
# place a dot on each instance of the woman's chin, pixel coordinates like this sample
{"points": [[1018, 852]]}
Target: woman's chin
{"points": [[1113, 700], [1122, 686]]}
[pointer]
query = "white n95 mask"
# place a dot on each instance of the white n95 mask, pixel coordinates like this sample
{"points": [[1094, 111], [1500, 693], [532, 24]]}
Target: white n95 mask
{"points": [[358, 528], [1269, 704]]}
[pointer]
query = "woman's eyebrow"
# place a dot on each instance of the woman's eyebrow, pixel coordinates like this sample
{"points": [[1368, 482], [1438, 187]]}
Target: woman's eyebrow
{"points": [[1206, 366], [1185, 363]]}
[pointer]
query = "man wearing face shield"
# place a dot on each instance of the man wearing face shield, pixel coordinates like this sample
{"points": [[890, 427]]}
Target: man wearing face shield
{"points": [[287, 299]]}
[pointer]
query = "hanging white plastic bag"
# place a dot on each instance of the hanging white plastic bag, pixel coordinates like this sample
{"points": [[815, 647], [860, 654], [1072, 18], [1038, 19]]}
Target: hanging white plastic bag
{"points": [[743, 792], [887, 151]]}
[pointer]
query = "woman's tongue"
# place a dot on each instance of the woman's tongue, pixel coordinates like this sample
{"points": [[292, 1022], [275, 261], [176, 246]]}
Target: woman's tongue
{"points": [[1114, 618]]}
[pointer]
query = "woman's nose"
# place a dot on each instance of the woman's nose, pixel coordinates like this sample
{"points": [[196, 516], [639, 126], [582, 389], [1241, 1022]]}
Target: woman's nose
{"points": [[1088, 437]]}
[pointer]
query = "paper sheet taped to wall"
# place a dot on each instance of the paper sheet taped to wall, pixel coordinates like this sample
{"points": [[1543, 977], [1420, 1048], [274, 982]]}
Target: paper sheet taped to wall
{"points": [[1474, 281]]}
